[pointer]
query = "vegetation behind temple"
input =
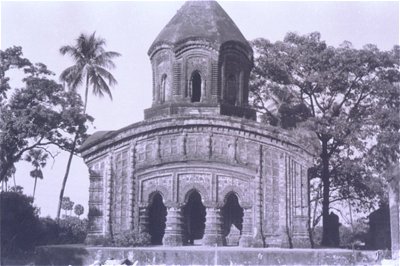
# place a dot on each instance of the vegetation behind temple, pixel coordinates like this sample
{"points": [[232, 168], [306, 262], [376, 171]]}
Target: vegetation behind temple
{"points": [[350, 99]]}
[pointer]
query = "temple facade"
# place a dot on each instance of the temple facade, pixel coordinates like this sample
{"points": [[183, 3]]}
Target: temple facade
{"points": [[200, 169]]}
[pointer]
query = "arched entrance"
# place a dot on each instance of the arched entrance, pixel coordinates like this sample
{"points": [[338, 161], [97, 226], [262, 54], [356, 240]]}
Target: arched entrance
{"points": [[232, 214], [194, 214], [157, 218]]}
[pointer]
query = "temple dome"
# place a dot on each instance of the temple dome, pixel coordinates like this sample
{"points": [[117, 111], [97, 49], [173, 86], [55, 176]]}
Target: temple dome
{"points": [[200, 20]]}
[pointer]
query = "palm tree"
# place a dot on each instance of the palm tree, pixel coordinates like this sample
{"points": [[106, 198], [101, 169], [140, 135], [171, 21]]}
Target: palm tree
{"points": [[38, 160], [91, 68]]}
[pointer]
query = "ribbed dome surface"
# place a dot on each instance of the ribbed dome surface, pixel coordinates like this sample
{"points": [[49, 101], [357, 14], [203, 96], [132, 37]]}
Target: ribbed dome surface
{"points": [[200, 20]]}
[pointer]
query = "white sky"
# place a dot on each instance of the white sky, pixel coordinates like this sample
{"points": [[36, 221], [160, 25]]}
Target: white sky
{"points": [[41, 28]]}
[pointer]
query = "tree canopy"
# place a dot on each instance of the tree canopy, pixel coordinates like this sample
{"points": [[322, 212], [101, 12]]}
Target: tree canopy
{"points": [[37, 115], [348, 97]]}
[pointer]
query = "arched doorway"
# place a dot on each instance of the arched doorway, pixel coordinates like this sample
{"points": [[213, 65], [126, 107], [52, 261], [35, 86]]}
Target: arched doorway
{"points": [[157, 218], [196, 87], [232, 214], [194, 214]]}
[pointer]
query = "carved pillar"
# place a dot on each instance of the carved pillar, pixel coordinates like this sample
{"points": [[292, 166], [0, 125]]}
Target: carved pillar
{"points": [[109, 194], [174, 227], [213, 234], [143, 219], [96, 227], [258, 235], [246, 239]]}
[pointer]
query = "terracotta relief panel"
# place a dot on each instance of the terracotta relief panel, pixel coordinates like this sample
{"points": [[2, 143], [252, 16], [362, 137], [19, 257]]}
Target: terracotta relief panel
{"points": [[199, 181], [96, 190], [121, 191], [242, 187], [171, 147], [197, 146], [271, 189], [223, 148], [248, 153], [146, 152], [162, 184]]}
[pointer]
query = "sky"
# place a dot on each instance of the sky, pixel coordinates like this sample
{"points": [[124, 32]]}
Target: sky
{"points": [[130, 27]]}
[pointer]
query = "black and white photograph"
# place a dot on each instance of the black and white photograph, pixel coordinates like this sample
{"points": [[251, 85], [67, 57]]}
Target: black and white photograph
{"points": [[199, 132]]}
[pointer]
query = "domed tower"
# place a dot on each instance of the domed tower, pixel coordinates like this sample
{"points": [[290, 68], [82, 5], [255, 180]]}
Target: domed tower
{"points": [[201, 64], [199, 167]]}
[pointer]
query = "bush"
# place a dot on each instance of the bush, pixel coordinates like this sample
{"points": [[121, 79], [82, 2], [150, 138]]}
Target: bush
{"points": [[50, 231], [72, 230], [130, 238], [356, 239], [20, 225]]}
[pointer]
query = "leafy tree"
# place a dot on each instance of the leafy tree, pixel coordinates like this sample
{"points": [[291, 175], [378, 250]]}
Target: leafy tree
{"points": [[35, 116], [78, 209], [10, 58], [92, 63], [38, 159], [67, 205], [336, 93]]}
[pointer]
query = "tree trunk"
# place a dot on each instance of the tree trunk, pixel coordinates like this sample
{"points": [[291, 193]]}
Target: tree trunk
{"points": [[15, 183], [86, 94], [34, 190], [326, 241], [71, 155], [351, 216]]}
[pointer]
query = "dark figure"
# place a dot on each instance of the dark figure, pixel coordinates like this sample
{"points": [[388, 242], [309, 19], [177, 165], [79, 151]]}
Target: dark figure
{"points": [[194, 218], [333, 228], [379, 228]]}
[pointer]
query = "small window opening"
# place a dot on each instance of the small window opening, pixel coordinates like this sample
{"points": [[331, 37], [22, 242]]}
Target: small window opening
{"points": [[162, 88], [196, 87]]}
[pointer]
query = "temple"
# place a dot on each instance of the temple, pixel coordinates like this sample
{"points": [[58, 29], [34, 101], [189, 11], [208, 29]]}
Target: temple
{"points": [[200, 169]]}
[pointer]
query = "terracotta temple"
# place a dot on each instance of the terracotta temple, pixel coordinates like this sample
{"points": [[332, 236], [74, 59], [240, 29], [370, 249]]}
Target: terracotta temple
{"points": [[200, 169]]}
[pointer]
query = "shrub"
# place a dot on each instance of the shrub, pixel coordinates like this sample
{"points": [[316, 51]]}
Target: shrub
{"points": [[72, 230], [130, 238], [50, 231], [20, 226]]}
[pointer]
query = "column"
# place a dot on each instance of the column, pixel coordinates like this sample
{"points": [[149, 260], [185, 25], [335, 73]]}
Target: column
{"points": [[143, 219], [258, 240], [213, 235], [173, 227], [246, 239]]}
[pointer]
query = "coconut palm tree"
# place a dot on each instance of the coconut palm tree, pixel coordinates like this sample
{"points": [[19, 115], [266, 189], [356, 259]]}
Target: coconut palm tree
{"points": [[91, 69], [38, 159], [91, 66]]}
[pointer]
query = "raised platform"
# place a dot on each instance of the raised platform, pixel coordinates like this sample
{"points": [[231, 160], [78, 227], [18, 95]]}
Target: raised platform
{"points": [[198, 255]]}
